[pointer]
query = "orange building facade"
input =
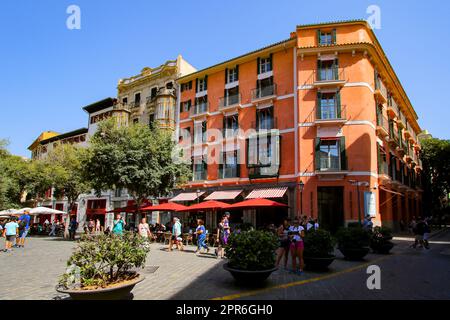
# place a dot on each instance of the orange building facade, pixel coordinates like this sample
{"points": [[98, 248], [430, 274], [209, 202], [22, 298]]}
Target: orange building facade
{"points": [[318, 121]]}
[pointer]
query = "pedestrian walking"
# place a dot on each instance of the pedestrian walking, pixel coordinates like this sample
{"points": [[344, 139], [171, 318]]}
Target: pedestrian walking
{"points": [[412, 225], [53, 229], [284, 243], [316, 224], [221, 238], [118, 225], [226, 227], [24, 227], [297, 233], [201, 236], [98, 227], [91, 225], [176, 235], [73, 226], [426, 233], [419, 231], [144, 229], [10, 232]]}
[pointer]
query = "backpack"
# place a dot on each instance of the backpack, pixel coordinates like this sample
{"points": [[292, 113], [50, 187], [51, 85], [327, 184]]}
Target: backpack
{"points": [[22, 224]]}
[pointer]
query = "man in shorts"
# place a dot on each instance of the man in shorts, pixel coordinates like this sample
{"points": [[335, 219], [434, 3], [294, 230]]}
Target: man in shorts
{"points": [[10, 231], [24, 226]]}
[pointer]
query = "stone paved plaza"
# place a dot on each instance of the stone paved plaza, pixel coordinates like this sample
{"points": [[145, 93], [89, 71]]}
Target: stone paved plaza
{"points": [[32, 273]]}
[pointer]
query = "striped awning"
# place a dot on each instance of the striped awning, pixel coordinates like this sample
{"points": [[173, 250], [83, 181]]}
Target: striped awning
{"points": [[224, 195], [187, 196], [267, 193]]}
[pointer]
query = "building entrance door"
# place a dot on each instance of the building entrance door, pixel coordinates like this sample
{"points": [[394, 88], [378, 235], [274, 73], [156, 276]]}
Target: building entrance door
{"points": [[331, 207]]}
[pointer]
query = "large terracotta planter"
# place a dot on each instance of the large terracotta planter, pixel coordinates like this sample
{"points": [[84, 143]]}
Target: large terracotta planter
{"points": [[318, 264], [249, 277], [119, 292], [354, 253]]}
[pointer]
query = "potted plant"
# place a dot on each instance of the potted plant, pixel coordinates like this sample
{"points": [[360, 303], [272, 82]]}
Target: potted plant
{"points": [[380, 240], [104, 267], [251, 256], [353, 242], [319, 248]]}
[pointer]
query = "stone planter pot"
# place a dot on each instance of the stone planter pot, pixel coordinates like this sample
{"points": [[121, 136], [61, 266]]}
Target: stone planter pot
{"points": [[382, 248], [354, 253], [249, 277], [119, 292], [318, 264]]}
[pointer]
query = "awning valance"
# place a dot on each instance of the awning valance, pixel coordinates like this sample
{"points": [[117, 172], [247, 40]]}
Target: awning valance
{"points": [[187, 196], [267, 193], [224, 195]]}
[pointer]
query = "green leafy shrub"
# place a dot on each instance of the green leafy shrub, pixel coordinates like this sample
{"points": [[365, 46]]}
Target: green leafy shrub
{"points": [[105, 259], [354, 237], [318, 244], [252, 250], [380, 236]]}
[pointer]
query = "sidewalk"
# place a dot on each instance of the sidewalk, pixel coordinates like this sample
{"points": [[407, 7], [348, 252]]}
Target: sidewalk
{"points": [[407, 236]]}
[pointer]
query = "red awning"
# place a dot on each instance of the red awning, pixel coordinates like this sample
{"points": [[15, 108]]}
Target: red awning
{"points": [[256, 203], [267, 193], [187, 196], [208, 205], [224, 195], [170, 206]]}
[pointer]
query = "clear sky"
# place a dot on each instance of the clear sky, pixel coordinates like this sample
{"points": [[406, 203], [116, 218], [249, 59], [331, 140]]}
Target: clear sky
{"points": [[48, 72]]}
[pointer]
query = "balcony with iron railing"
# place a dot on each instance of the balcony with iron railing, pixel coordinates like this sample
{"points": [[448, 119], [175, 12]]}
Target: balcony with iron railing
{"points": [[230, 102], [267, 92], [381, 92], [199, 110], [330, 114], [393, 139], [382, 126], [265, 125], [136, 104], [329, 77], [392, 108], [150, 100], [401, 121], [330, 164]]}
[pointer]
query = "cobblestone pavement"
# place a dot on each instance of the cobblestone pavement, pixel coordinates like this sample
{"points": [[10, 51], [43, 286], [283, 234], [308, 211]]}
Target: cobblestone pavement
{"points": [[32, 273]]}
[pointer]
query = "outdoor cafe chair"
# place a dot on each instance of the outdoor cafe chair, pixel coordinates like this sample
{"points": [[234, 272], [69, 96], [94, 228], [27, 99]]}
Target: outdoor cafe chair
{"points": [[167, 237], [187, 237]]}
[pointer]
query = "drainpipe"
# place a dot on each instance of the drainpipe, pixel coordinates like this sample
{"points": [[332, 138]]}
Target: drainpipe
{"points": [[296, 127]]}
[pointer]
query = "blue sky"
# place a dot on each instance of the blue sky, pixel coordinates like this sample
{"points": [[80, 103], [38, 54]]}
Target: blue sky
{"points": [[49, 72]]}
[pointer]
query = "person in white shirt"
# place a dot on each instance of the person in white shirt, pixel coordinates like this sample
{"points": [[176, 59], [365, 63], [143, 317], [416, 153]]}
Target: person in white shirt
{"points": [[144, 229], [296, 234]]}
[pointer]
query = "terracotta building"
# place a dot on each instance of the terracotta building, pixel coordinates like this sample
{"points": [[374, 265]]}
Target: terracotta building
{"points": [[319, 121]]}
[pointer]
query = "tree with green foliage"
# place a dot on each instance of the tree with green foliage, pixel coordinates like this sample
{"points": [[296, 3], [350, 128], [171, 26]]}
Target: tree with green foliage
{"points": [[62, 168], [137, 158], [435, 156]]}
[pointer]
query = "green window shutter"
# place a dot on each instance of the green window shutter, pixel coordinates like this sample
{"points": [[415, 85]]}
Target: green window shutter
{"points": [[338, 104], [319, 68], [319, 105], [336, 69], [334, 36], [196, 85], [318, 37], [206, 82], [257, 120], [258, 62], [238, 166], [226, 75], [237, 72], [343, 153], [317, 153]]}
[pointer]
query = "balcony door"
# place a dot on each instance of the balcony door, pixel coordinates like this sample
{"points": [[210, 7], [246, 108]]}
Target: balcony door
{"points": [[327, 70]]}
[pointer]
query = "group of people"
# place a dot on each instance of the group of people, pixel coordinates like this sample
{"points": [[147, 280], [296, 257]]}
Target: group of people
{"points": [[15, 230], [291, 234], [421, 230]]}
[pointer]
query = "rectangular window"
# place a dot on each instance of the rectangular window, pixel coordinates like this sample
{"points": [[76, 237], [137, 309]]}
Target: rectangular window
{"points": [[265, 65], [186, 86], [230, 126], [328, 70], [153, 93], [232, 96], [186, 106], [200, 132], [330, 154], [232, 75], [202, 84], [263, 155], [201, 105], [199, 168], [328, 106], [326, 38], [125, 101], [265, 119], [229, 168]]}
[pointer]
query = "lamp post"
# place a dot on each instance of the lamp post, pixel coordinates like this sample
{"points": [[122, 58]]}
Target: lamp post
{"points": [[301, 186], [198, 191]]}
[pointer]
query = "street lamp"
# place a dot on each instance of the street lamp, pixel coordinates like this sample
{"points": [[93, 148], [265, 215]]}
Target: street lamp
{"points": [[198, 199], [363, 184], [301, 186]]}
